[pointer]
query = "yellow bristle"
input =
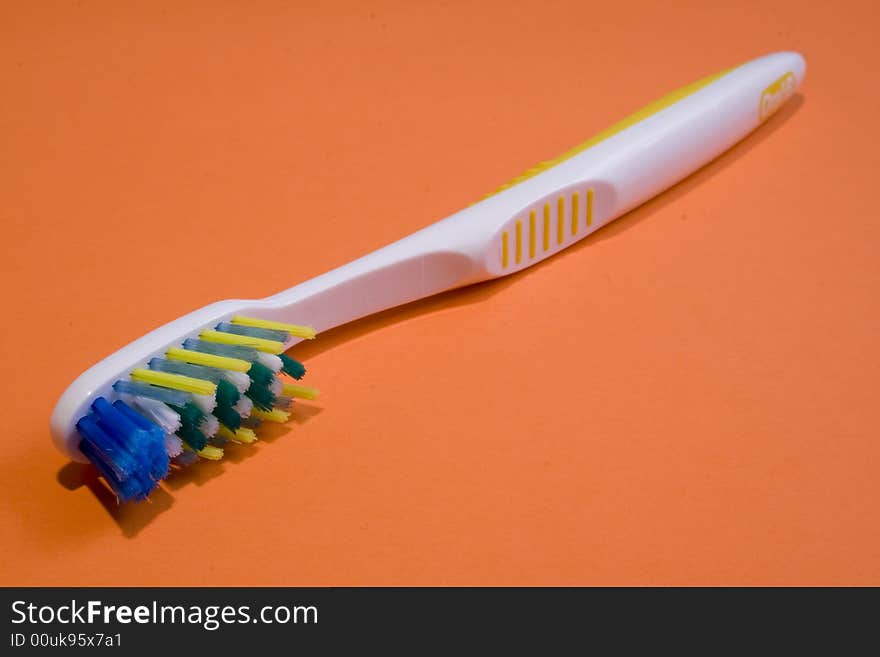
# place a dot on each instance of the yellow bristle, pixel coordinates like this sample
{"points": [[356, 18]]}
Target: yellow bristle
{"points": [[218, 337], [209, 360], [301, 392], [174, 381], [244, 435], [295, 330], [211, 453], [275, 415], [240, 435]]}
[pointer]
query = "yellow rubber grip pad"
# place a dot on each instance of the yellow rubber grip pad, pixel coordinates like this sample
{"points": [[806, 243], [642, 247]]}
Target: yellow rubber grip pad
{"points": [[208, 360], [306, 332], [268, 346], [174, 381]]}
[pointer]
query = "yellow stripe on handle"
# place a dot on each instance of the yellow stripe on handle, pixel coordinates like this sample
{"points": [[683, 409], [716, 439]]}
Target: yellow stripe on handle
{"points": [[208, 360], [218, 337], [174, 381], [306, 332], [637, 116]]}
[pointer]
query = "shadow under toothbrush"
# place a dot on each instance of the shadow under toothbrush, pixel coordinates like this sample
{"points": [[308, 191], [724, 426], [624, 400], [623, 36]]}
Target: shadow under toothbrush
{"points": [[134, 517], [203, 471], [131, 518]]}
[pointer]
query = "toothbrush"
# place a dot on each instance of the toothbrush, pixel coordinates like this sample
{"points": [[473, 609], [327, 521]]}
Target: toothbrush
{"points": [[184, 390]]}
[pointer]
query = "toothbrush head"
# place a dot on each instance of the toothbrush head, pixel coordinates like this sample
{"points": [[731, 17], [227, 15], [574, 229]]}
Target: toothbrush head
{"points": [[179, 394]]}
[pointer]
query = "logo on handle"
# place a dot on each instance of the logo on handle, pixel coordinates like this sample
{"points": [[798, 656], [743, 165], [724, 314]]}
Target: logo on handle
{"points": [[777, 93]]}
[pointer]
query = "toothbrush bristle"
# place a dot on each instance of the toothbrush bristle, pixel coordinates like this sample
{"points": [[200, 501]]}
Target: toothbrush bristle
{"points": [[191, 417], [305, 332], [209, 426], [127, 449], [271, 415], [298, 391], [192, 402], [243, 407], [173, 445], [261, 396], [270, 361], [254, 332], [158, 413], [292, 367], [227, 394], [211, 453], [228, 416], [260, 375]]}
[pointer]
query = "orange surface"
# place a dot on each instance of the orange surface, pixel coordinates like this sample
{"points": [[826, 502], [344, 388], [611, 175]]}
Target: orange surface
{"points": [[690, 396]]}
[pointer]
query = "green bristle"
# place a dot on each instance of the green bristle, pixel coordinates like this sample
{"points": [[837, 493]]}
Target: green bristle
{"points": [[227, 394], [260, 374], [191, 417], [190, 414], [292, 367], [261, 396], [193, 437], [228, 416]]}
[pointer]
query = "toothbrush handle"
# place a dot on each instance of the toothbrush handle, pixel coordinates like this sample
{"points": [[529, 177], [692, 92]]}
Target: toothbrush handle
{"points": [[555, 204]]}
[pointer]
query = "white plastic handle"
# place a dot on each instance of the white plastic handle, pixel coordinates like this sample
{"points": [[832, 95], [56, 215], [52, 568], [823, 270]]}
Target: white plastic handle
{"points": [[513, 229], [597, 184]]}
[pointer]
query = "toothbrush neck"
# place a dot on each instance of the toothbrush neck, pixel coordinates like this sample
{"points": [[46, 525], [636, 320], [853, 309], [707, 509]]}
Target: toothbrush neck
{"points": [[410, 269]]}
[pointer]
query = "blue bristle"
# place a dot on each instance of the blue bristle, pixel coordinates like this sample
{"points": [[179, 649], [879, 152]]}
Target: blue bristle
{"points": [[212, 374], [118, 425], [154, 447], [126, 448], [114, 464], [157, 436], [107, 450], [228, 350], [126, 489], [253, 332], [166, 395]]}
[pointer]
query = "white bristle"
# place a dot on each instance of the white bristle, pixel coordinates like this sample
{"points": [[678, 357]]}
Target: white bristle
{"points": [[239, 379], [158, 413], [269, 360], [275, 386], [244, 406], [206, 403], [173, 445], [209, 426]]}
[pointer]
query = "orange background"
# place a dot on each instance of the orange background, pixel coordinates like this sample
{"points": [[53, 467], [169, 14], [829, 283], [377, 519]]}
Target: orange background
{"points": [[690, 396]]}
